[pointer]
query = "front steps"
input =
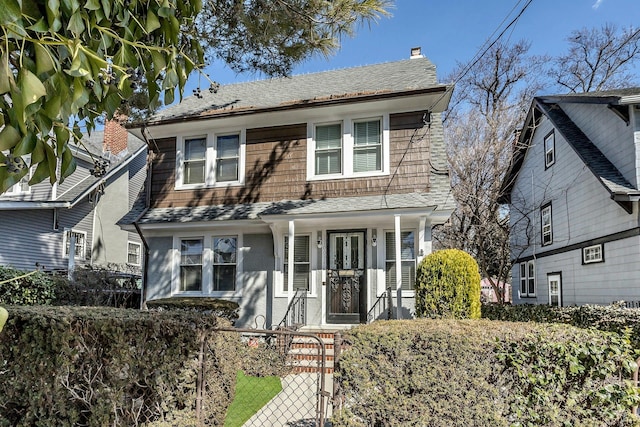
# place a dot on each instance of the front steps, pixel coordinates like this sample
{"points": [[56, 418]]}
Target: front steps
{"points": [[305, 354]]}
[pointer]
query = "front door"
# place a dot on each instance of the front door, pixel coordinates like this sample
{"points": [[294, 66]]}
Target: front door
{"points": [[346, 294], [555, 289]]}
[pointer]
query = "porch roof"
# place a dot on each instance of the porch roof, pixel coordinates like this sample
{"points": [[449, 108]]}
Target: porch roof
{"points": [[311, 207]]}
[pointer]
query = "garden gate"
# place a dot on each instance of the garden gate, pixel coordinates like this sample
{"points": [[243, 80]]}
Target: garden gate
{"points": [[285, 379]]}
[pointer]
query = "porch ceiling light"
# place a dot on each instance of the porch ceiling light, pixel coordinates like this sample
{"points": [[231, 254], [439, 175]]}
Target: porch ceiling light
{"points": [[374, 241]]}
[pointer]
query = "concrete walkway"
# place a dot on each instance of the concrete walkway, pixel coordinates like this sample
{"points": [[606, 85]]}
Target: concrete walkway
{"points": [[295, 405]]}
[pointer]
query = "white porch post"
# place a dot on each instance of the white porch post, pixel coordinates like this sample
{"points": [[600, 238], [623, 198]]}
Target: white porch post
{"points": [[71, 262], [290, 236], [398, 257], [424, 239]]}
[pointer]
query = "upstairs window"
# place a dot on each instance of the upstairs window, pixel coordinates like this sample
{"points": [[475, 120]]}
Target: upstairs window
{"points": [[545, 221], [211, 160], [351, 148], [227, 157], [549, 150], [195, 160], [593, 254], [328, 155], [367, 146]]}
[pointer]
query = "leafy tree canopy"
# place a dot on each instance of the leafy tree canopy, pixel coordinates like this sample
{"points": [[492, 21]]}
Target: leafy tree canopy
{"points": [[64, 64]]}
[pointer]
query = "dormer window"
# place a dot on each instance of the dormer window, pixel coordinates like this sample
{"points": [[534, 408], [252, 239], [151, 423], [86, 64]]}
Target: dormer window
{"points": [[549, 150]]}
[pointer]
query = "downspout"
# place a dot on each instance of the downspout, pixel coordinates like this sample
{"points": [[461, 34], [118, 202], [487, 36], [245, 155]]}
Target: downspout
{"points": [[147, 203]]}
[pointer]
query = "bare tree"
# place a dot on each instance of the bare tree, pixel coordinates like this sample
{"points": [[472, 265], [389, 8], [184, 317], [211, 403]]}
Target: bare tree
{"points": [[490, 103], [598, 59]]}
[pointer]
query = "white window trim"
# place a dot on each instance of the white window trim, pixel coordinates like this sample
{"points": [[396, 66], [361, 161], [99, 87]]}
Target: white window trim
{"points": [[207, 264], [526, 279], [15, 189], [551, 150], [313, 255], [139, 263], [596, 260], [543, 225], [347, 148], [83, 252], [383, 246], [210, 159]]}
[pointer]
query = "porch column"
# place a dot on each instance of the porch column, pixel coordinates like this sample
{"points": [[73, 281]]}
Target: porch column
{"points": [[398, 256], [291, 237]]}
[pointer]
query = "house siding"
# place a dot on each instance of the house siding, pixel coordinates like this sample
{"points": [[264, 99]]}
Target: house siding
{"points": [[158, 283], [582, 208], [257, 295], [276, 168], [28, 238], [602, 126], [81, 173], [597, 283]]}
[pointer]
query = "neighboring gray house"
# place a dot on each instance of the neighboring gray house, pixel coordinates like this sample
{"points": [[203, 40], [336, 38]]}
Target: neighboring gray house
{"points": [[322, 174], [574, 188], [37, 222]]}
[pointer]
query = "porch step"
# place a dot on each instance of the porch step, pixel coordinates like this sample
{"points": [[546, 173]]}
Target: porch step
{"points": [[306, 355]]}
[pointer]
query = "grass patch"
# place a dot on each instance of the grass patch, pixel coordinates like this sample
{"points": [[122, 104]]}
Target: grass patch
{"points": [[252, 393]]}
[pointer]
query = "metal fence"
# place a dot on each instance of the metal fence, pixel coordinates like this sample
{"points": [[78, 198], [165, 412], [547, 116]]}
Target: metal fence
{"points": [[285, 379]]}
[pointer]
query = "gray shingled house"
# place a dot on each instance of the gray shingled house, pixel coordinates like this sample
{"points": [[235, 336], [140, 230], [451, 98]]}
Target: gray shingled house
{"points": [[304, 195], [38, 222], [574, 188]]}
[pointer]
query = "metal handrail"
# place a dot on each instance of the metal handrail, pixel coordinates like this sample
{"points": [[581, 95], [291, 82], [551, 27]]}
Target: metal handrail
{"points": [[296, 315], [383, 303]]}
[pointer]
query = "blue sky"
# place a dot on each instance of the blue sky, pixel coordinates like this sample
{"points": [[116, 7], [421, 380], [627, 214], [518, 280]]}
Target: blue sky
{"points": [[453, 31]]}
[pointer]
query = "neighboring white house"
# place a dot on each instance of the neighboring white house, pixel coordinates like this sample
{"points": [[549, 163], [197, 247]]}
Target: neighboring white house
{"points": [[573, 188], [329, 176], [37, 222]]}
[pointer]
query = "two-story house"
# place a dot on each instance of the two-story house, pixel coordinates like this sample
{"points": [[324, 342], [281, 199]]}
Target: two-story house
{"points": [[39, 223], [319, 186], [574, 187]]}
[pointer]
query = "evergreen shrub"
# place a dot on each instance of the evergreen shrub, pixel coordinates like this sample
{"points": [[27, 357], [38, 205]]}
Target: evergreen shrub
{"points": [[27, 288], [70, 366], [455, 373], [448, 286]]}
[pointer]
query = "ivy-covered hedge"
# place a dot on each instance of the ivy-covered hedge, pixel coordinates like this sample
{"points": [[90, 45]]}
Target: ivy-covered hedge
{"points": [[27, 288], [484, 373], [68, 366], [611, 318]]}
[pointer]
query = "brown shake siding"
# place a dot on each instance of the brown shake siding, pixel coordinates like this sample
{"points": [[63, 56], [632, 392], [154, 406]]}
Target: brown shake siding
{"points": [[276, 169]]}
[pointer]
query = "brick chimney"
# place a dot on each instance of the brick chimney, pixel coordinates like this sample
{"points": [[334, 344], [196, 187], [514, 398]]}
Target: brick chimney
{"points": [[115, 136]]}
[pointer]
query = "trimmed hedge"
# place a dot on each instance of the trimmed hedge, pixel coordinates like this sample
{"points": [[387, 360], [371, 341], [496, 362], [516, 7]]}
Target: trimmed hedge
{"points": [[448, 286], [448, 373], [27, 288], [611, 318], [69, 366]]}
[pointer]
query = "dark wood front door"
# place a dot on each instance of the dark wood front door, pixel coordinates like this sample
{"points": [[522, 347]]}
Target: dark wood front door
{"points": [[346, 299]]}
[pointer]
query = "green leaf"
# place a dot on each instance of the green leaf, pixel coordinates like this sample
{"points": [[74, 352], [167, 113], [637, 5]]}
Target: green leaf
{"points": [[26, 145], [152, 22], [80, 95], [31, 87], [170, 79], [92, 5], [39, 27], [79, 65], [111, 103], [159, 62], [169, 96], [76, 24], [68, 165], [9, 137], [37, 155], [51, 162], [44, 61], [40, 174], [6, 75], [10, 12], [53, 15], [106, 6], [52, 105], [165, 12], [31, 9]]}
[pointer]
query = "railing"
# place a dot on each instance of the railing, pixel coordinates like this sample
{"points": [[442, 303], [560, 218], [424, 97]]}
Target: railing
{"points": [[296, 315], [382, 307]]}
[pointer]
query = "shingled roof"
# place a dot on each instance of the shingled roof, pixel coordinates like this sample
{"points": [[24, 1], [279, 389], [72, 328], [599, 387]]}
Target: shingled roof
{"points": [[600, 166], [386, 79], [253, 211]]}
